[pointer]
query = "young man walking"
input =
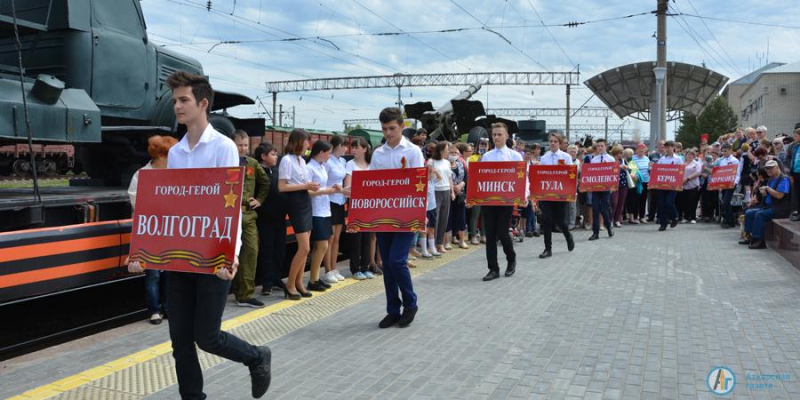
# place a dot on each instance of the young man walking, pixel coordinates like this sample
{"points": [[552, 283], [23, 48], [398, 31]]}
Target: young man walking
{"points": [[497, 219], [197, 301], [554, 213], [601, 201], [397, 152], [667, 213]]}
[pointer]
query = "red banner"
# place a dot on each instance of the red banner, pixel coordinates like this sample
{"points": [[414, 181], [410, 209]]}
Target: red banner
{"points": [[600, 177], [388, 200], [723, 178], [187, 219], [553, 182], [667, 177], [496, 183]]}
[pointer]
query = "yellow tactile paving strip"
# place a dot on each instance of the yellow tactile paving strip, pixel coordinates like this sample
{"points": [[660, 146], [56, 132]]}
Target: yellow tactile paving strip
{"points": [[151, 370]]}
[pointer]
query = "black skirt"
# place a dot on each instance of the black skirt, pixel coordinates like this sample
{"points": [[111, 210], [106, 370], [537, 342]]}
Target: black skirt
{"points": [[337, 214], [299, 206]]}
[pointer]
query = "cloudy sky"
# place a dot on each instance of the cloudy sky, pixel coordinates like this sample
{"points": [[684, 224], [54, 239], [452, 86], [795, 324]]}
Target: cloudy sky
{"points": [[733, 39]]}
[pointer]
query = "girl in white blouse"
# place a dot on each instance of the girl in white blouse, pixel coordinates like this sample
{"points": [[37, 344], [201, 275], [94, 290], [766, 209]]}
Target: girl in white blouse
{"points": [[294, 179]]}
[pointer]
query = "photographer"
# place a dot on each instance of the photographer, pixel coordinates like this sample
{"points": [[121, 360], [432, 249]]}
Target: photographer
{"points": [[775, 205]]}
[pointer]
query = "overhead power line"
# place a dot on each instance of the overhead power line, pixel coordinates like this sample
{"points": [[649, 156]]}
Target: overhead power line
{"points": [[500, 35], [740, 22], [550, 33], [728, 56]]}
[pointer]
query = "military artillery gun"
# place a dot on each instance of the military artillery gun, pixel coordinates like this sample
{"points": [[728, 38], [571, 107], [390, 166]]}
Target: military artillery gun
{"points": [[458, 116], [93, 79]]}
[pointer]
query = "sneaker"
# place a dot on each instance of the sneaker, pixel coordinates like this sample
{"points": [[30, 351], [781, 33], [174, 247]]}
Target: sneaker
{"points": [[427, 255], [261, 373], [359, 276], [475, 240], [338, 275], [266, 290], [369, 275], [330, 278], [376, 269], [694, 221], [448, 247], [463, 245], [436, 254], [634, 222], [252, 303], [156, 318]]}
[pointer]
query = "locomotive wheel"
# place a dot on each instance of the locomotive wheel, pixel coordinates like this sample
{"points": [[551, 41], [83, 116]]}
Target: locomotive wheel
{"points": [[21, 167]]}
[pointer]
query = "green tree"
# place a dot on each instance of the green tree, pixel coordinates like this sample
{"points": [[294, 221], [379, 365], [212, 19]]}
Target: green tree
{"points": [[716, 120]]}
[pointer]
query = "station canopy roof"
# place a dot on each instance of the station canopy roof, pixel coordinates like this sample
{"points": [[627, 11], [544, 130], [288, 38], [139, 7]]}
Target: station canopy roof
{"points": [[627, 90]]}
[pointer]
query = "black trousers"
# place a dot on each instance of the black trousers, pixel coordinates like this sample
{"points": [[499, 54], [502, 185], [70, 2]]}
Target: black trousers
{"points": [[601, 205], [710, 203], [271, 254], [196, 303], [359, 251], [497, 221], [652, 204], [796, 192], [641, 202], [667, 211], [553, 213], [727, 208], [688, 204]]}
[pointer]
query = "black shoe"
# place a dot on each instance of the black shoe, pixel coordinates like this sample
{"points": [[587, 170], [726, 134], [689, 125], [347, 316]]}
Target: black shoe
{"points": [[674, 223], [570, 243], [725, 225], [546, 253], [557, 230], [662, 228], [266, 290], [261, 373], [610, 232], [407, 318], [279, 286], [291, 296], [316, 286], [388, 320], [794, 217], [324, 284], [594, 237], [757, 244], [512, 267], [746, 242], [529, 234], [535, 233], [492, 275], [306, 294], [252, 303]]}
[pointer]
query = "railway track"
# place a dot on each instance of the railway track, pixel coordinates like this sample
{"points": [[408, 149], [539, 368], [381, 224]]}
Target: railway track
{"points": [[23, 179]]}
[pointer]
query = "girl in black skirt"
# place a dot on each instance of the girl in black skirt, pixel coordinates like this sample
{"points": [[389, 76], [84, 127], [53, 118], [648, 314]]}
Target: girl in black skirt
{"points": [[295, 180]]}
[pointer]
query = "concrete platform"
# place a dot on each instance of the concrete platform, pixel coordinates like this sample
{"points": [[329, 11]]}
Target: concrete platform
{"points": [[645, 314]]}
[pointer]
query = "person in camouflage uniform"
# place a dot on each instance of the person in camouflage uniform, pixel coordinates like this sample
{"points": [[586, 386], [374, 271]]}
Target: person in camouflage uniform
{"points": [[254, 193]]}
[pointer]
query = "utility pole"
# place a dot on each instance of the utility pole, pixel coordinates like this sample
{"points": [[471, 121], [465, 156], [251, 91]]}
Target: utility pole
{"points": [[280, 116], [661, 62], [293, 116], [566, 130], [606, 130], [274, 102]]}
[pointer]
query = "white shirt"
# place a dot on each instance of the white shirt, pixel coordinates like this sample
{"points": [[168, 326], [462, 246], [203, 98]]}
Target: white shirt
{"points": [[603, 158], [213, 150], [674, 160], [724, 162], [552, 158], [336, 169], [293, 169], [431, 205], [320, 205], [442, 181], [134, 186], [352, 166], [386, 157], [506, 154]]}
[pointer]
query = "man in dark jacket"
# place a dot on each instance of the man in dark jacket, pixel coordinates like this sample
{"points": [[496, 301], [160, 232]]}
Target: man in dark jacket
{"points": [[271, 225], [776, 205], [793, 169]]}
